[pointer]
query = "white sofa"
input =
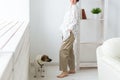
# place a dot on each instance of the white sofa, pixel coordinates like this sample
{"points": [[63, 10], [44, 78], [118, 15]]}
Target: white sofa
{"points": [[108, 60]]}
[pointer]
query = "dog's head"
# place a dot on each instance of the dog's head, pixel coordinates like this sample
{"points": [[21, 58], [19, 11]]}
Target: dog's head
{"points": [[45, 58]]}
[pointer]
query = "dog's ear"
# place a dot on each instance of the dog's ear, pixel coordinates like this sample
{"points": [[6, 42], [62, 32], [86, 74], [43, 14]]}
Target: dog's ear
{"points": [[44, 57]]}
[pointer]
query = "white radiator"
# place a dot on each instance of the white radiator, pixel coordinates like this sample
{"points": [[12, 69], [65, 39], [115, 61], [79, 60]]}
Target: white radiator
{"points": [[14, 50]]}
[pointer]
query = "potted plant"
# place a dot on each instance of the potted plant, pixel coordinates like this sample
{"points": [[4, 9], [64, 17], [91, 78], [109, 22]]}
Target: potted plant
{"points": [[96, 11]]}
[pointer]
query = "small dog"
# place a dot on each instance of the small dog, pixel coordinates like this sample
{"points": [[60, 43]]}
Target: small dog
{"points": [[39, 61]]}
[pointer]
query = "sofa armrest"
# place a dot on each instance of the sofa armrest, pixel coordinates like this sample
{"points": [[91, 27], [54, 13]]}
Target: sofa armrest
{"points": [[111, 61], [108, 60], [108, 67]]}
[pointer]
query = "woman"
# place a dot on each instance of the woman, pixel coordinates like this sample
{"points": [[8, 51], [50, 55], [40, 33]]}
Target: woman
{"points": [[69, 31]]}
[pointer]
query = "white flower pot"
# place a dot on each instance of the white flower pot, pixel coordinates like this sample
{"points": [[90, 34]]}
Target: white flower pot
{"points": [[96, 16]]}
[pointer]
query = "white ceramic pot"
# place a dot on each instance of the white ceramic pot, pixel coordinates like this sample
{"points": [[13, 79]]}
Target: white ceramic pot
{"points": [[96, 16]]}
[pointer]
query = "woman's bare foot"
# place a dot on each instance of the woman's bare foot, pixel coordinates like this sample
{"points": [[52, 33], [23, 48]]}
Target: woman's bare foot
{"points": [[62, 75], [71, 72]]}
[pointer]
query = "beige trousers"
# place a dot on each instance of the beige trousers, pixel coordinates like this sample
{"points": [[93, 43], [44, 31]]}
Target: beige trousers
{"points": [[67, 54]]}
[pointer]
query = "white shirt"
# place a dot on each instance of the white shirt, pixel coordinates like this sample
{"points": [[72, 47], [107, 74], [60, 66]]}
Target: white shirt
{"points": [[70, 22]]}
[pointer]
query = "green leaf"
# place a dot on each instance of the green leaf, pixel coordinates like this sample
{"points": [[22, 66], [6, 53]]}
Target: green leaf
{"points": [[96, 10]]}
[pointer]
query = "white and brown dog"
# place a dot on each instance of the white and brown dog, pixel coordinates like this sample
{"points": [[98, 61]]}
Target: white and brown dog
{"points": [[39, 62]]}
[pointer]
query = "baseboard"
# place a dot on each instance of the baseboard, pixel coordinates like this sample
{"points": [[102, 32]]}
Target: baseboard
{"points": [[83, 64], [90, 64]]}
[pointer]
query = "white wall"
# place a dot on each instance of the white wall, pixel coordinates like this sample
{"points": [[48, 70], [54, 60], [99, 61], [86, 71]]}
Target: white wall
{"points": [[46, 18], [14, 9], [113, 19]]}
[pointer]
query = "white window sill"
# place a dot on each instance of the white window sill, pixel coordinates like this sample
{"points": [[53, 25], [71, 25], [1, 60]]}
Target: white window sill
{"points": [[4, 60], [11, 33]]}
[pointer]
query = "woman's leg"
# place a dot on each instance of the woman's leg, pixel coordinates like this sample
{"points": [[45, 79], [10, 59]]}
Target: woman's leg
{"points": [[64, 54], [63, 60], [71, 61]]}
